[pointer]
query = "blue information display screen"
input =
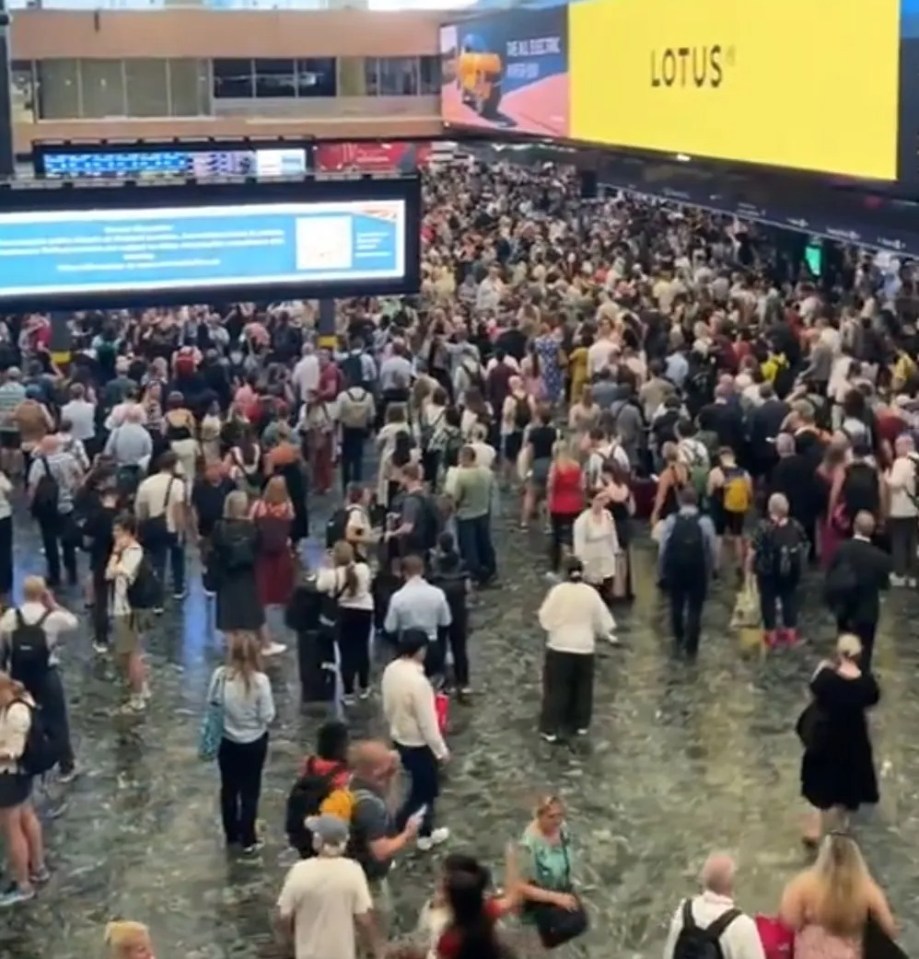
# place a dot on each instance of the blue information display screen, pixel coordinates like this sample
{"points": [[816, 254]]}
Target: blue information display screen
{"points": [[54, 252], [283, 161]]}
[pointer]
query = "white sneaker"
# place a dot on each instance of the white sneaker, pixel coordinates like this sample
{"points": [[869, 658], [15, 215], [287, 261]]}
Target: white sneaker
{"points": [[146, 693], [274, 649], [912, 582], [897, 580], [613, 639], [438, 836]]}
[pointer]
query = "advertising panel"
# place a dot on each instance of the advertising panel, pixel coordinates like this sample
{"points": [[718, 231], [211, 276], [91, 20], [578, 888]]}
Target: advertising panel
{"points": [[508, 71], [769, 83], [147, 242], [909, 92], [406, 156]]}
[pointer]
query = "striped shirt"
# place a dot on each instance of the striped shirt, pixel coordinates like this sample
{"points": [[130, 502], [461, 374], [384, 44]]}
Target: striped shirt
{"points": [[11, 395]]}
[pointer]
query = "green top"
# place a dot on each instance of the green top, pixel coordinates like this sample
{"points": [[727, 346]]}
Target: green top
{"points": [[546, 864], [472, 492]]}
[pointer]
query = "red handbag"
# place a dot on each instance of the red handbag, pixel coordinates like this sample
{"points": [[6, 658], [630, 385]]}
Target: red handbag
{"points": [[442, 710], [777, 939]]}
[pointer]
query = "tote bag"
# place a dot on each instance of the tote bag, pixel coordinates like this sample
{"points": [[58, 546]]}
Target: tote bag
{"points": [[212, 724], [556, 925]]}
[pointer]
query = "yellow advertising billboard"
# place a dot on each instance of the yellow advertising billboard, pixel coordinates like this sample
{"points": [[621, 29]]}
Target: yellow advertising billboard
{"points": [[806, 84]]}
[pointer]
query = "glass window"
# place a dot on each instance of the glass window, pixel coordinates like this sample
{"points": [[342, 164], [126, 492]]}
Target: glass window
{"points": [[147, 84], [233, 79], [275, 78], [316, 77], [22, 91], [352, 76], [58, 89], [372, 76], [189, 88], [102, 88], [398, 76], [430, 74]]}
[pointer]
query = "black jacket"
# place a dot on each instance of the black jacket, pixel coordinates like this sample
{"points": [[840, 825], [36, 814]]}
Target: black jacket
{"points": [[871, 567]]}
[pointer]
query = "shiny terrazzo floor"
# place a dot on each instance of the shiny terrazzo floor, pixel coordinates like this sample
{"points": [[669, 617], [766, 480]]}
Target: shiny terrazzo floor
{"points": [[682, 759]]}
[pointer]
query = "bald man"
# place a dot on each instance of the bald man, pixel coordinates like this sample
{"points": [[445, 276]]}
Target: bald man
{"points": [[713, 916]]}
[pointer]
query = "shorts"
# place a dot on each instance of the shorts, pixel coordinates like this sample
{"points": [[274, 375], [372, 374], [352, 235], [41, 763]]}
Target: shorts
{"points": [[513, 444], [730, 524], [126, 635], [10, 440], [539, 474], [15, 789]]}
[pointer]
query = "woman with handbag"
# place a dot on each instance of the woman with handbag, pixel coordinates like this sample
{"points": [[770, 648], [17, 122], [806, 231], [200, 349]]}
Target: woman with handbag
{"points": [[240, 702], [551, 907], [837, 769]]}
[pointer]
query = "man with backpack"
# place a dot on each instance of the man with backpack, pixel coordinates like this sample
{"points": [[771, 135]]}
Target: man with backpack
{"points": [[418, 520], [688, 554], [29, 637], [356, 415], [710, 926]]}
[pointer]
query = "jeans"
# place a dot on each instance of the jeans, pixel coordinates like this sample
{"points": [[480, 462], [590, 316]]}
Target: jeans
{"points": [[474, 542], [354, 627], [174, 548], [904, 539], [421, 765], [771, 591], [352, 455], [567, 692], [53, 705], [241, 767], [56, 539], [686, 601]]}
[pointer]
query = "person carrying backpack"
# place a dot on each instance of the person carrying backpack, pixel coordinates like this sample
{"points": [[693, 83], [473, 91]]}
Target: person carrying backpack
{"points": [[29, 636], [688, 553], [710, 926], [419, 519], [730, 493], [26, 752], [778, 555]]}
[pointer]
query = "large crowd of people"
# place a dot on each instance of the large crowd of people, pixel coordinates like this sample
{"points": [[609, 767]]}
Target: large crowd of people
{"points": [[635, 375]]}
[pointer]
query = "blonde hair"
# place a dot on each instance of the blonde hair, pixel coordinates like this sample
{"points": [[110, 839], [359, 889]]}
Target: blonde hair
{"points": [[244, 657], [236, 505], [343, 556], [848, 646], [10, 689], [124, 935], [841, 883], [275, 491], [33, 588]]}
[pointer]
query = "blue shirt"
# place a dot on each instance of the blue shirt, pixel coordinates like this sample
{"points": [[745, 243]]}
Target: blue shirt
{"points": [[709, 539], [418, 605], [677, 369], [247, 713]]}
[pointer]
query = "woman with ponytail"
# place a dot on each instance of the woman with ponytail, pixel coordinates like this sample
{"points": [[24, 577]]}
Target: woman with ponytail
{"points": [[348, 582], [20, 827], [128, 940], [574, 616]]}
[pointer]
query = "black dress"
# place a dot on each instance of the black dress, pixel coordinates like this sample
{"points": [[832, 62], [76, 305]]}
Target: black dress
{"points": [[838, 770], [234, 550]]}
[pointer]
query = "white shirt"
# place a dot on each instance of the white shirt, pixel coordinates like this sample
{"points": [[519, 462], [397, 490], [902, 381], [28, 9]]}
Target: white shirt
{"points": [[82, 417], [305, 376], [123, 573], [58, 621], [6, 487], [332, 581], [408, 705], [901, 480], [574, 616], [323, 895], [739, 941], [598, 356], [119, 412], [152, 494]]}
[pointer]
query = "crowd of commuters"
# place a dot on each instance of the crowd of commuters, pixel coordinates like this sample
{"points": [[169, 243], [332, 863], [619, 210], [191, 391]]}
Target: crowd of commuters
{"points": [[610, 363]]}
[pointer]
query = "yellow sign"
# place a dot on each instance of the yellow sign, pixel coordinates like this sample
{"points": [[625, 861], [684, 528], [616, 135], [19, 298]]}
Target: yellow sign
{"points": [[806, 84]]}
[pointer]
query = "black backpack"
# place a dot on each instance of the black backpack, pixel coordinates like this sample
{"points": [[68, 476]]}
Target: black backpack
{"points": [[43, 749], [47, 494], [684, 557], [352, 366], [305, 800], [145, 591], [861, 489], [30, 653], [337, 526], [426, 527], [695, 942], [787, 546]]}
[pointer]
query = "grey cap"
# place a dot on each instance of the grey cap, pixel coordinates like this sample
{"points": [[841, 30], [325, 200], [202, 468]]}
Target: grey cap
{"points": [[331, 830]]}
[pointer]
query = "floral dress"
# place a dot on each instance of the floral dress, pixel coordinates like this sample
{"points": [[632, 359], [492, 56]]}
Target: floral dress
{"points": [[553, 376]]}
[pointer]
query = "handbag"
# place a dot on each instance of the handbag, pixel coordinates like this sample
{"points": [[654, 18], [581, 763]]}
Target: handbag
{"points": [[556, 925], [812, 727], [212, 724]]}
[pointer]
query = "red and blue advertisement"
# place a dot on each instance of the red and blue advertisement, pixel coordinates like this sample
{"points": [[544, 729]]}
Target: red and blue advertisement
{"points": [[508, 71]]}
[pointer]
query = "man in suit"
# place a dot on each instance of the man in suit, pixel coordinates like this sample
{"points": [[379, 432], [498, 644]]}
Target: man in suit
{"points": [[860, 570], [793, 477], [765, 421]]}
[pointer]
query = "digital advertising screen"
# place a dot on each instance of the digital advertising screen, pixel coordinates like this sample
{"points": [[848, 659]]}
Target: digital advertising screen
{"points": [[507, 71], [178, 244], [743, 82], [909, 92], [75, 162], [406, 156]]}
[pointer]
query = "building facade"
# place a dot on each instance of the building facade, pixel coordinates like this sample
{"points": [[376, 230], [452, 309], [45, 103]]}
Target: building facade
{"points": [[205, 72]]}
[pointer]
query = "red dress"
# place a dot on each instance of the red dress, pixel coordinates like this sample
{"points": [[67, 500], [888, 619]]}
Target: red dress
{"points": [[274, 562], [567, 496]]}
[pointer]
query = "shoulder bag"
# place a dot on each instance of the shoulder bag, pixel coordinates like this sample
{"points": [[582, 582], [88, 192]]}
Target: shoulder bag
{"points": [[212, 724], [556, 925]]}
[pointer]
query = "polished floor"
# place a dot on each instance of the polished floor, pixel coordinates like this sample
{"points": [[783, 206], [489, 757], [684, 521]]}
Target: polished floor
{"points": [[682, 759]]}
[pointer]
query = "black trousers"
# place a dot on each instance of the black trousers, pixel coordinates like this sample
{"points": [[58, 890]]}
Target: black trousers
{"points": [[455, 634], [430, 463], [686, 601], [421, 765], [773, 591], [354, 627], [562, 536], [53, 705], [55, 539], [101, 623], [241, 767], [352, 455], [6, 556], [567, 692], [315, 656], [865, 632]]}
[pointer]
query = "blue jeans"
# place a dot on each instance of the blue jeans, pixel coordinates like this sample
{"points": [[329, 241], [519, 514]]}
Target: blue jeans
{"points": [[473, 537], [174, 548]]}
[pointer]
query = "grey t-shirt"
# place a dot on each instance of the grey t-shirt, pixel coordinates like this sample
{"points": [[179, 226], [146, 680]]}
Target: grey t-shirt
{"points": [[371, 820]]}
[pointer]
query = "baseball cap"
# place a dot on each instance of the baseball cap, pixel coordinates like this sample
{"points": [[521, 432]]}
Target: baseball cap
{"points": [[331, 830]]}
